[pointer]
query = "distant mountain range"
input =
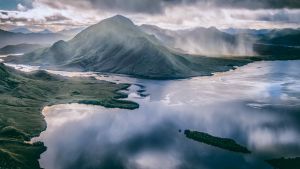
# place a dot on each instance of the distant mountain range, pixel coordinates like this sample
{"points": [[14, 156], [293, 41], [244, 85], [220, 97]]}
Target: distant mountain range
{"points": [[234, 31], [71, 32], [20, 48], [116, 45], [204, 41], [11, 38], [284, 37], [45, 31], [21, 30], [26, 31]]}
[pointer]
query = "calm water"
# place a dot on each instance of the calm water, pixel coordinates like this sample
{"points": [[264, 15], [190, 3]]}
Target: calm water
{"points": [[257, 105]]}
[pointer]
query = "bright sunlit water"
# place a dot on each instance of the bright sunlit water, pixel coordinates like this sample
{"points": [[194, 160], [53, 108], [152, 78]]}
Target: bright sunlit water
{"points": [[257, 105]]}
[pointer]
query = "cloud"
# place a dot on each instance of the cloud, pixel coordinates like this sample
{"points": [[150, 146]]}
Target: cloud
{"points": [[13, 20], [159, 6], [177, 18], [57, 17], [13, 4], [20, 7], [42, 16], [278, 16], [4, 13], [254, 4], [60, 14], [130, 6]]}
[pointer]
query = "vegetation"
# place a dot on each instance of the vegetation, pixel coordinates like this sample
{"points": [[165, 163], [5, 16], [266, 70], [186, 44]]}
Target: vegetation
{"points": [[23, 96], [224, 143], [285, 163]]}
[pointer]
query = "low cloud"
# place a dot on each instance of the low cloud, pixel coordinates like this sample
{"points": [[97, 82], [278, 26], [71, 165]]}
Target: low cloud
{"points": [[159, 6], [56, 17]]}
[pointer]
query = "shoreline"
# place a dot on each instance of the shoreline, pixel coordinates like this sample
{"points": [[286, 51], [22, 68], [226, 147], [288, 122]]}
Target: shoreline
{"points": [[25, 95]]}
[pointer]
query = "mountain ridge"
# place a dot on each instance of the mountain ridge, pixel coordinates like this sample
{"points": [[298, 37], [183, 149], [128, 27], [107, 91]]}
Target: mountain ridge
{"points": [[117, 45], [11, 38]]}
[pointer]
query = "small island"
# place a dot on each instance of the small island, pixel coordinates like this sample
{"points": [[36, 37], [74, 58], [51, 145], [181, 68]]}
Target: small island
{"points": [[285, 163], [224, 143], [24, 95]]}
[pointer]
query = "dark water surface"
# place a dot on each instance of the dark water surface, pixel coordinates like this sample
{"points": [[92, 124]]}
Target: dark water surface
{"points": [[257, 105]]}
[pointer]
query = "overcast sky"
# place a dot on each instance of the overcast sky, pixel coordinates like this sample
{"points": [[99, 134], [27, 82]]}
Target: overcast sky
{"points": [[172, 14]]}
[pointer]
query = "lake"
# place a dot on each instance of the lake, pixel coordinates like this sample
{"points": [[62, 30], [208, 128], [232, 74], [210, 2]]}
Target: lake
{"points": [[257, 105]]}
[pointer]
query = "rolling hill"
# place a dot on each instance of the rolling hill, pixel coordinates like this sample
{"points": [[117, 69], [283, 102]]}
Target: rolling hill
{"points": [[11, 38], [20, 48], [23, 96]]}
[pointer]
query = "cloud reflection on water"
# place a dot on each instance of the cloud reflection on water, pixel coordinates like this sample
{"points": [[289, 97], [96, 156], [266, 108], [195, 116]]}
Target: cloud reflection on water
{"points": [[251, 105]]}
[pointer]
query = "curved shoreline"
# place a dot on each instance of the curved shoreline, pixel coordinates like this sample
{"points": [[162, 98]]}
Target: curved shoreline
{"points": [[24, 95]]}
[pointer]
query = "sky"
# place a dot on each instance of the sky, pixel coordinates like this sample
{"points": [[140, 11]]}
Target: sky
{"points": [[171, 14]]}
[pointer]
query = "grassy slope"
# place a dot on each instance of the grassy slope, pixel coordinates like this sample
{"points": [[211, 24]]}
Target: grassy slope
{"points": [[24, 95]]}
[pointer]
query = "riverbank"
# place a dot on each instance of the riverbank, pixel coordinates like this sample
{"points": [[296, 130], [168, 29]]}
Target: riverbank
{"points": [[24, 95]]}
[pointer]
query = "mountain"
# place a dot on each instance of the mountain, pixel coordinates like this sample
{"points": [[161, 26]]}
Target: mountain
{"points": [[45, 31], [237, 42], [284, 37], [71, 32], [20, 48], [21, 30], [117, 45], [204, 41], [235, 31], [11, 38], [275, 42]]}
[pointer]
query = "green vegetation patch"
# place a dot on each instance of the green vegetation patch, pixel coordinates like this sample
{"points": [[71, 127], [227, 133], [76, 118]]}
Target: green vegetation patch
{"points": [[224, 143], [23, 96], [285, 163]]}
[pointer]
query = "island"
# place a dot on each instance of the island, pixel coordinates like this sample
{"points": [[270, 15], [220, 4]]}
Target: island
{"points": [[285, 163], [224, 143], [24, 95]]}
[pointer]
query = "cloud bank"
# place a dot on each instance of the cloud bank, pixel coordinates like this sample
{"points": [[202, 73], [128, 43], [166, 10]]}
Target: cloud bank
{"points": [[172, 14]]}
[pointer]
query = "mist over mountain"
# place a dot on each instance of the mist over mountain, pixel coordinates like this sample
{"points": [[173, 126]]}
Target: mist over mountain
{"points": [[11, 38], [285, 37], [272, 42], [45, 31], [203, 41], [234, 31], [229, 42], [20, 48], [116, 45], [71, 32]]}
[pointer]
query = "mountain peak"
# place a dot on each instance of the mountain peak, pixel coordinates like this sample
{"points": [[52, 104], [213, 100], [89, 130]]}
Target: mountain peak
{"points": [[118, 26], [45, 31], [118, 19], [21, 30]]}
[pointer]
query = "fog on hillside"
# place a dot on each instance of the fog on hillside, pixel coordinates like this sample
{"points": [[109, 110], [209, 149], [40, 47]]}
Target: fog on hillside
{"points": [[204, 41]]}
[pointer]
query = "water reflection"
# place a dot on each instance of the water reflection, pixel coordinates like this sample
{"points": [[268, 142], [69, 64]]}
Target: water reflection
{"points": [[257, 105]]}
